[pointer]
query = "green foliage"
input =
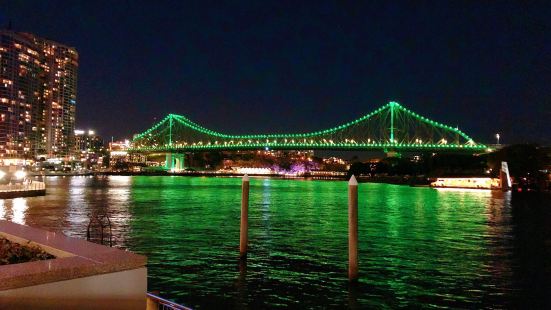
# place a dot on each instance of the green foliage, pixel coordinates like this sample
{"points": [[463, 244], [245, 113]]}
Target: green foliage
{"points": [[359, 168]]}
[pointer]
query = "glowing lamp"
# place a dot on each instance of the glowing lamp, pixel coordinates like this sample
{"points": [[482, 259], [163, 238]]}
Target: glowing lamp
{"points": [[20, 174]]}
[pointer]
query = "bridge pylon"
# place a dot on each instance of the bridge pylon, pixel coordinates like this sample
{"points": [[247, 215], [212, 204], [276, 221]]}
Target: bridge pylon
{"points": [[175, 161], [393, 153]]}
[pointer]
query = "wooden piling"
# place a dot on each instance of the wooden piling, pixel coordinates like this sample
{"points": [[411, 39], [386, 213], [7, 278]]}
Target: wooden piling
{"points": [[243, 240], [353, 229]]}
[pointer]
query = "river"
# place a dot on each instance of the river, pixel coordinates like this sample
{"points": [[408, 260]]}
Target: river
{"points": [[419, 247]]}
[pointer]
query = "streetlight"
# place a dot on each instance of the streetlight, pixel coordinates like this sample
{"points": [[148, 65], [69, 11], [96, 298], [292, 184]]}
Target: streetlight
{"points": [[497, 137]]}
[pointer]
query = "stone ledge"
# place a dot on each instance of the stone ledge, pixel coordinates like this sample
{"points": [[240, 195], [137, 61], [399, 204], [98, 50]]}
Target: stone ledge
{"points": [[75, 258]]}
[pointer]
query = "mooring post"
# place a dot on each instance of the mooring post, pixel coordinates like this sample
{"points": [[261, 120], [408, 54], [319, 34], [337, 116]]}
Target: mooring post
{"points": [[243, 240], [353, 229]]}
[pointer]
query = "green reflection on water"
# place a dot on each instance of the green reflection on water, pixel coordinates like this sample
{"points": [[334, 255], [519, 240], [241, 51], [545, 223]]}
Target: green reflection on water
{"points": [[418, 247], [416, 244]]}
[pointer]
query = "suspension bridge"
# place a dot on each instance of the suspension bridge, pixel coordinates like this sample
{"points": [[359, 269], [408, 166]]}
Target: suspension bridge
{"points": [[390, 128]]}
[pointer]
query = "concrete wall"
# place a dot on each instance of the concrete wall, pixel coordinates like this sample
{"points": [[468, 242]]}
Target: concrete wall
{"points": [[118, 290]]}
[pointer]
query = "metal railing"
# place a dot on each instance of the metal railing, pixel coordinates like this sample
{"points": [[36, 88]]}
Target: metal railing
{"points": [[23, 187], [155, 302], [99, 228]]}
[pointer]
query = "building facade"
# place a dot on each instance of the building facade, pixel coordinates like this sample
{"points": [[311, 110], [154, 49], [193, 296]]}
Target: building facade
{"points": [[38, 89], [88, 141], [89, 149]]}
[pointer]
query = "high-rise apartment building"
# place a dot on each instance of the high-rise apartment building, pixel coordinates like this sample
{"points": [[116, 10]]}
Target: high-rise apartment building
{"points": [[38, 88]]}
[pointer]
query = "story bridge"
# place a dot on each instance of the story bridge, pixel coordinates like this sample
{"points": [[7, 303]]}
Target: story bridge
{"points": [[390, 128]]}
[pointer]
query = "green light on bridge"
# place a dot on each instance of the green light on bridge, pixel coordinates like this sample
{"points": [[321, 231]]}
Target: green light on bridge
{"points": [[404, 130]]}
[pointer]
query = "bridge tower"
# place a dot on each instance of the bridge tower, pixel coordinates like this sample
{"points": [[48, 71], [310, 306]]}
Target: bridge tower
{"points": [[392, 152], [175, 161]]}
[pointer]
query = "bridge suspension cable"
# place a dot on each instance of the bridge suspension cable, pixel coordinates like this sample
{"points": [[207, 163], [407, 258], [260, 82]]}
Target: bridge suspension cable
{"points": [[390, 127]]}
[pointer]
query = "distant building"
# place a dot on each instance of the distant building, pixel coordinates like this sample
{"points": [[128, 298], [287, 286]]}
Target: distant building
{"points": [[38, 89], [119, 146], [88, 141], [118, 154], [88, 149], [334, 160]]}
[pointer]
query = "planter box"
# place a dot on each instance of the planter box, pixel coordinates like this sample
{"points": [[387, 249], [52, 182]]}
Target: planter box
{"points": [[83, 275]]}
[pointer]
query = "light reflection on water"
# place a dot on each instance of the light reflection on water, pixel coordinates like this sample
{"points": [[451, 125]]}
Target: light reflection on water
{"points": [[418, 246], [19, 206]]}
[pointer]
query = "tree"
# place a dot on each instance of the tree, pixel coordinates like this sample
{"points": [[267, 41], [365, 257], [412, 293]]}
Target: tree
{"points": [[522, 159], [358, 168]]}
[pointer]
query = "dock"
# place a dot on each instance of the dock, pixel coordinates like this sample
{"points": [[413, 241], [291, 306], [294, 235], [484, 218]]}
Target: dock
{"points": [[27, 189]]}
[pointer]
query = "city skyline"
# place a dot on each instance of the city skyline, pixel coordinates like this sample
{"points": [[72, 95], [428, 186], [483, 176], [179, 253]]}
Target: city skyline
{"points": [[284, 67]]}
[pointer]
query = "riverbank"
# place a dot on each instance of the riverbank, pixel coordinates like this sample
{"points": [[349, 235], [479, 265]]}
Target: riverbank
{"points": [[396, 180]]}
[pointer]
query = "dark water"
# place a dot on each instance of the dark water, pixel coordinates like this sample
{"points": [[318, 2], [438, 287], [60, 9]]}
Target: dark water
{"points": [[419, 247]]}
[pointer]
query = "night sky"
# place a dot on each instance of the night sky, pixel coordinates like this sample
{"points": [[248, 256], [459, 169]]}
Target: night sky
{"points": [[295, 66]]}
